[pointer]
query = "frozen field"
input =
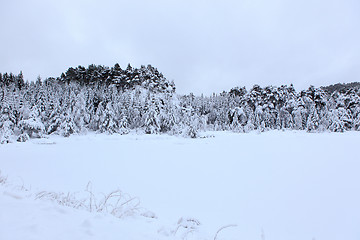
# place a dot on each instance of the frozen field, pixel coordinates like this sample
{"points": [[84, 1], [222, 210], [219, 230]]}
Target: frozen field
{"points": [[274, 185]]}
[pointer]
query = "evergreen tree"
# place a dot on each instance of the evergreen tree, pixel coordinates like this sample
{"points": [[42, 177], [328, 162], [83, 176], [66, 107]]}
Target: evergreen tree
{"points": [[114, 100], [313, 120], [237, 119], [151, 117], [33, 126], [123, 125]]}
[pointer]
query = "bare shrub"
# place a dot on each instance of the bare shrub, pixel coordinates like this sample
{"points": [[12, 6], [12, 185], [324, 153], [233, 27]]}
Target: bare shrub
{"points": [[3, 179], [188, 225], [115, 203]]}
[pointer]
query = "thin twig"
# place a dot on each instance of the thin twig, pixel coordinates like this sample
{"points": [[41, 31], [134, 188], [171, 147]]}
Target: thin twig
{"points": [[222, 228]]}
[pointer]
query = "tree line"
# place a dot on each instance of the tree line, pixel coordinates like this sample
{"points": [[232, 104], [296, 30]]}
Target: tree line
{"points": [[116, 100]]}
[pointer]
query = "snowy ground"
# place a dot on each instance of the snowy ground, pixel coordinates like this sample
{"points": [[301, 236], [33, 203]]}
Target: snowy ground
{"points": [[274, 185]]}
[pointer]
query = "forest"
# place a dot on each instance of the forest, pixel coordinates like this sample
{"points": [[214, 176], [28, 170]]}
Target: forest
{"points": [[115, 100]]}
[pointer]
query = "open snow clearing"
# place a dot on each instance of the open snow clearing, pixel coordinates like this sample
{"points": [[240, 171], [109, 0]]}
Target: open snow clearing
{"points": [[273, 185]]}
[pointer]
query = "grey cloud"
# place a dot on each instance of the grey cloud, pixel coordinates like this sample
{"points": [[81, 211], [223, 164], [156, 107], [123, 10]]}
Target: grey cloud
{"points": [[204, 46]]}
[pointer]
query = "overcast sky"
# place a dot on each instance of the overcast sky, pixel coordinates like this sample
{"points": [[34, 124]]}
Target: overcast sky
{"points": [[204, 46]]}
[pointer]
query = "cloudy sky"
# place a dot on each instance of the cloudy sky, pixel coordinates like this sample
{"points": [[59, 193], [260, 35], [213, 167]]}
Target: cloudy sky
{"points": [[204, 46]]}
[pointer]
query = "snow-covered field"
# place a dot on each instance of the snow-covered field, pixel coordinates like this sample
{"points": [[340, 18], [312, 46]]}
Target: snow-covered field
{"points": [[273, 185]]}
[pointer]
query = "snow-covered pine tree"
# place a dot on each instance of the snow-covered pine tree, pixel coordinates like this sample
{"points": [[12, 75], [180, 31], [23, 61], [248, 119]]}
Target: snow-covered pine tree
{"points": [[297, 117], [313, 120], [169, 115], [123, 125], [268, 118], [151, 116], [237, 119], [250, 119], [80, 112], [285, 119], [335, 124], [192, 128], [6, 126], [67, 125], [259, 119], [110, 123]]}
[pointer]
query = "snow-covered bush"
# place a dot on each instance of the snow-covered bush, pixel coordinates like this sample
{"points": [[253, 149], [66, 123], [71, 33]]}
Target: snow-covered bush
{"points": [[33, 127], [23, 137]]}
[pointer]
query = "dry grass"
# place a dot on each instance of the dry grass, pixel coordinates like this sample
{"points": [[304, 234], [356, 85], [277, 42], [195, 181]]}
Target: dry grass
{"points": [[222, 228], [3, 179], [115, 203]]}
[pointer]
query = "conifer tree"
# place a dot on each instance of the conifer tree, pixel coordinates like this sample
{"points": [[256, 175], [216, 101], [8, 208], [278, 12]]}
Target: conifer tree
{"points": [[313, 120]]}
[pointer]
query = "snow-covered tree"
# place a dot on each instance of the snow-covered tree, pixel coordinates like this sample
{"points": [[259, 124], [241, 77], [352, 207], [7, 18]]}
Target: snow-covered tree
{"points": [[32, 126], [152, 116], [116, 100], [313, 120]]}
